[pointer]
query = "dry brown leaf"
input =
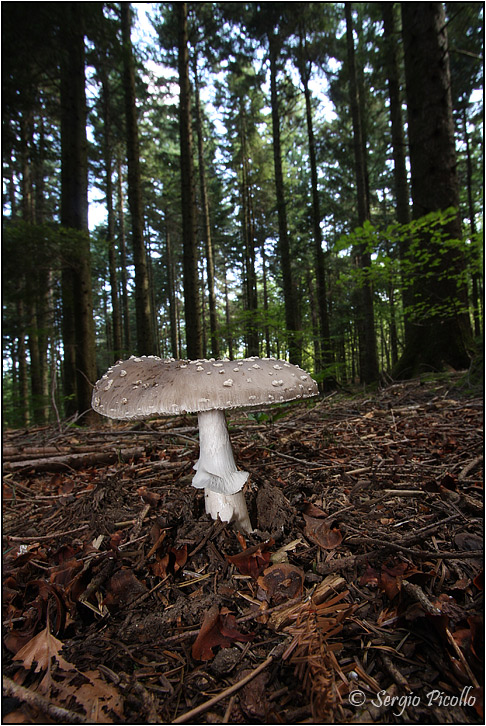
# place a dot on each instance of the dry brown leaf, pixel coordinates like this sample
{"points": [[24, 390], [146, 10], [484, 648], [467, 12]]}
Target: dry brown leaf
{"points": [[116, 539], [253, 560], [40, 649], [312, 510], [149, 497], [17, 716], [178, 558], [64, 574], [96, 696], [282, 582], [241, 540], [170, 562], [159, 567], [319, 531], [370, 577], [390, 578], [122, 588], [218, 628]]}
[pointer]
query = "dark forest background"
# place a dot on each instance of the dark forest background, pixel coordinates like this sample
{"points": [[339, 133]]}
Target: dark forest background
{"points": [[298, 180]]}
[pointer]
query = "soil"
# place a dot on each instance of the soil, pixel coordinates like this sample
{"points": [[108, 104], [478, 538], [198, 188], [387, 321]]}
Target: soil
{"points": [[357, 598]]}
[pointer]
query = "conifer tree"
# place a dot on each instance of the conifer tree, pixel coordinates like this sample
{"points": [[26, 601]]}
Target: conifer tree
{"points": [[364, 311], [440, 333], [78, 328], [190, 252], [146, 344]]}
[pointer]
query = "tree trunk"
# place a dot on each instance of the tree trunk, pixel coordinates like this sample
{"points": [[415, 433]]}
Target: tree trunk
{"points": [[323, 344], [45, 332], [341, 356], [192, 303], [202, 298], [44, 278], [78, 325], [22, 362], [68, 329], [268, 347], [35, 364], [229, 337], [441, 333], [49, 340], [143, 308], [117, 342], [32, 294], [14, 397], [314, 316], [364, 307], [474, 245], [108, 323], [250, 286], [363, 206], [153, 304], [39, 174], [254, 337], [206, 225], [25, 159], [174, 343], [393, 323], [10, 178], [289, 290], [402, 195], [127, 335]]}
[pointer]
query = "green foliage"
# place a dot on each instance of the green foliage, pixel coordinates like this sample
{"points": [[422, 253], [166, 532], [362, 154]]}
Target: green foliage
{"points": [[427, 243], [270, 415]]}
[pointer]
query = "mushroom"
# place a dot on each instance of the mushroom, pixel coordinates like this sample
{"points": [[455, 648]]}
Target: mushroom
{"points": [[147, 386]]}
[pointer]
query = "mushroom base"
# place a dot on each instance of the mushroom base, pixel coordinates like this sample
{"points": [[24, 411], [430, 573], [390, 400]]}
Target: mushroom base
{"points": [[217, 474], [229, 508]]}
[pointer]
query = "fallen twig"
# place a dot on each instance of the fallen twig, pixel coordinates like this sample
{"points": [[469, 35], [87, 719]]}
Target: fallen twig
{"points": [[469, 467], [43, 537], [43, 704], [74, 461], [190, 715], [461, 657]]}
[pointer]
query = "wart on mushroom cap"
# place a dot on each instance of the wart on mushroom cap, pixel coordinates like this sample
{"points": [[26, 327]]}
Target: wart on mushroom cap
{"points": [[147, 386]]}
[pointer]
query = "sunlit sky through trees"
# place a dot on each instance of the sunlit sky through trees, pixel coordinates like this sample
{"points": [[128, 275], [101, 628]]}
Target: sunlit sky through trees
{"points": [[144, 38]]}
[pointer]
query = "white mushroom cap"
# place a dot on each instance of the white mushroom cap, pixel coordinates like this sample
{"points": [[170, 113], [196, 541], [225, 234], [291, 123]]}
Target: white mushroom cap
{"points": [[148, 386]]}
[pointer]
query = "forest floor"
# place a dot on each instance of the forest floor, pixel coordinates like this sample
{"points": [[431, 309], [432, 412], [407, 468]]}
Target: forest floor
{"points": [[357, 599]]}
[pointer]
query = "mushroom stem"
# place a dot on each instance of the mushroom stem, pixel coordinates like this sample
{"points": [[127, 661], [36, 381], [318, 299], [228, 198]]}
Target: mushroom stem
{"points": [[217, 474], [229, 508]]}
